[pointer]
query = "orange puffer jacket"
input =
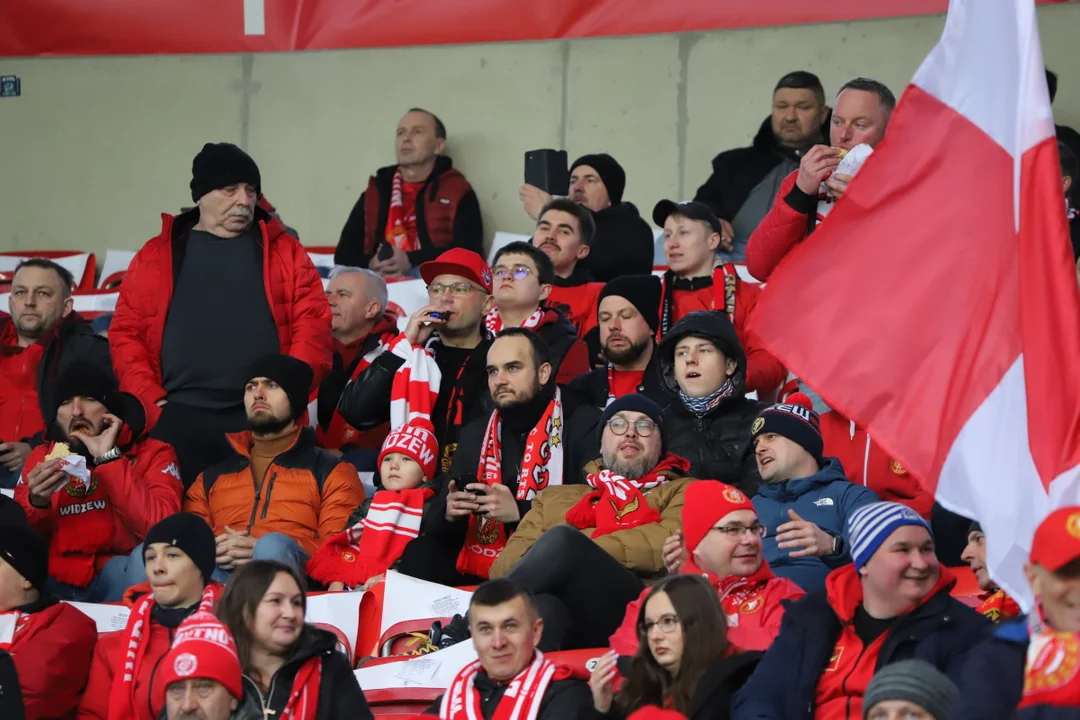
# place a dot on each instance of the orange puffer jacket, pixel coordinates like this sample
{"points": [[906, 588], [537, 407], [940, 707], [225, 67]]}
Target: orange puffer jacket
{"points": [[307, 493]]}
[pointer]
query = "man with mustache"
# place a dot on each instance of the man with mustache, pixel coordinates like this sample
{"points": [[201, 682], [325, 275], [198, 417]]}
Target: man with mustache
{"points": [[565, 231], [222, 285], [628, 315], [38, 342], [744, 181], [200, 678], [93, 525], [536, 437], [996, 604], [585, 551], [891, 604], [414, 210], [623, 244]]}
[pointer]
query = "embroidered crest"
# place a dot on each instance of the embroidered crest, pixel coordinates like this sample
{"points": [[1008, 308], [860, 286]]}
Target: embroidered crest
{"points": [[77, 490], [734, 496], [897, 468], [758, 424], [185, 664]]}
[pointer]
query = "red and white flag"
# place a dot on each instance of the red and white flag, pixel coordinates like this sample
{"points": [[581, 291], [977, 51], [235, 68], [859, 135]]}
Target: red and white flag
{"points": [[938, 306]]}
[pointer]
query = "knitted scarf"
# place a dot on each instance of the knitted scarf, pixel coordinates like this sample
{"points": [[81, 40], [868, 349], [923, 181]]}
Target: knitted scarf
{"points": [[724, 283], [136, 640], [371, 546], [416, 383], [1052, 670], [494, 323], [618, 503], [303, 699], [541, 466], [998, 606], [703, 405], [521, 701], [397, 235]]}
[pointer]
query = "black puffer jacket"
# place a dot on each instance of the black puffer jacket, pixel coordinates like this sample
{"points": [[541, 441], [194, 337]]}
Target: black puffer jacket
{"points": [[718, 443], [592, 387], [623, 244], [340, 697]]}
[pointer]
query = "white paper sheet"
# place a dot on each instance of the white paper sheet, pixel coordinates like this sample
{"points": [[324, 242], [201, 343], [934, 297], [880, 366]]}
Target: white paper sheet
{"points": [[436, 670], [109, 618], [407, 598], [342, 610]]}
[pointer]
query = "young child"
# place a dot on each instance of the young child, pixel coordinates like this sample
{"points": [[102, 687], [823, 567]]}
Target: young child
{"points": [[383, 525]]}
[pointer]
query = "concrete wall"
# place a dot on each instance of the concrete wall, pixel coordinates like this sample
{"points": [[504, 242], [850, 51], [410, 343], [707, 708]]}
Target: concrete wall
{"points": [[96, 148]]}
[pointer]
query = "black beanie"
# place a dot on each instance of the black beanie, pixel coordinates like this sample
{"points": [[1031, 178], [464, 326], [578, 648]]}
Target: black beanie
{"points": [[83, 379], [222, 164], [915, 681], [643, 292], [294, 376], [26, 551], [633, 403], [609, 170], [796, 422], [191, 534], [11, 512]]}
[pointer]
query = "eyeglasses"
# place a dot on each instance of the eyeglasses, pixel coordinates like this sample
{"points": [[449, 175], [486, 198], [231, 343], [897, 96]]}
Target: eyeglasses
{"points": [[735, 530], [203, 688], [460, 289], [666, 623], [518, 272], [643, 428]]}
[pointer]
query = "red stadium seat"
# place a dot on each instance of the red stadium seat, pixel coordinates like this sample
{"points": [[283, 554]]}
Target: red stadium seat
{"points": [[400, 702]]}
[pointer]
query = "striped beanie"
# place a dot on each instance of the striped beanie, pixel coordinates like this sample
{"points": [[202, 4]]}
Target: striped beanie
{"points": [[872, 524], [915, 681]]}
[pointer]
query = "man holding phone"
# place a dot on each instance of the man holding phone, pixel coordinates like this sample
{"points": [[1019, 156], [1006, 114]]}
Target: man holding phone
{"points": [[623, 244]]}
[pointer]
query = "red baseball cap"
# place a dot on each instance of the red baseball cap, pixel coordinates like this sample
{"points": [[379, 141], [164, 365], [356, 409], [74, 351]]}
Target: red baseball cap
{"points": [[1057, 539], [458, 261]]}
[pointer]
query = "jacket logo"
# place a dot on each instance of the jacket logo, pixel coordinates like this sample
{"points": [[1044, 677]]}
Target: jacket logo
{"points": [[626, 509], [444, 201], [897, 468], [172, 469], [82, 508], [834, 659], [823, 502], [77, 490], [750, 606]]}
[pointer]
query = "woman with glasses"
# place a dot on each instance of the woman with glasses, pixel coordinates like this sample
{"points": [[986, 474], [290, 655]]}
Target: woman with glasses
{"points": [[291, 669], [684, 661]]}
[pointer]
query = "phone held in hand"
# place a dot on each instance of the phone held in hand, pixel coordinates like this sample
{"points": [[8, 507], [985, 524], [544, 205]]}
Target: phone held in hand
{"points": [[386, 251], [548, 170]]}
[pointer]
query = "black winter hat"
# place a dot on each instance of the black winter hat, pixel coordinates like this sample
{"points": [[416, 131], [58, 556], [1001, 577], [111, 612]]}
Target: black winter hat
{"points": [[609, 170], [293, 375], [26, 551], [796, 422], [633, 403], [915, 681], [643, 292], [191, 534], [83, 379], [11, 512], [220, 164]]}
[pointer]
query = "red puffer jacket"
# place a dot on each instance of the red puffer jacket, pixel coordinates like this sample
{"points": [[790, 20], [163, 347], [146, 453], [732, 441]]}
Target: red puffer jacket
{"points": [[52, 648], [107, 655], [297, 302]]}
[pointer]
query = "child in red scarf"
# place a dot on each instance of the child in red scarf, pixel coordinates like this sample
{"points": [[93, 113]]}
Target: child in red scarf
{"points": [[382, 526]]}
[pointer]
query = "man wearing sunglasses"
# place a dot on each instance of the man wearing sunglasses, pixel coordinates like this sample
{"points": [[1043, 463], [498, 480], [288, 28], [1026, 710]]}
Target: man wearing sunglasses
{"points": [[721, 538], [585, 551], [523, 277]]}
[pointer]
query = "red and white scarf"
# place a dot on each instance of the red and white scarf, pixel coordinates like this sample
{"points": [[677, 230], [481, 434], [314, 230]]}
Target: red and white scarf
{"points": [[617, 503], [725, 279], [303, 699], [494, 322], [10, 624], [416, 383], [541, 466], [1052, 669], [370, 547], [521, 701], [397, 234], [136, 640]]}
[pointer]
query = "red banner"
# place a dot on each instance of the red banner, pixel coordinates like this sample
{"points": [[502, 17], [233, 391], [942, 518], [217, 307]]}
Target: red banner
{"points": [[137, 27]]}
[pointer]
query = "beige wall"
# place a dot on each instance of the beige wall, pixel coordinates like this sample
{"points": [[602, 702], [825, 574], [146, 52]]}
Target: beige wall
{"points": [[96, 148]]}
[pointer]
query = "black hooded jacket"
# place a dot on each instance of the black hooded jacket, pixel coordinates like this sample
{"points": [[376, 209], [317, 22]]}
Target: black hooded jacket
{"points": [[718, 443], [623, 244]]}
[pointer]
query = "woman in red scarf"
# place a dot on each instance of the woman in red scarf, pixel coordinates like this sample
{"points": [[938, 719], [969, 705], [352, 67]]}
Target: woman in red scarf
{"points": [[292, 670]]}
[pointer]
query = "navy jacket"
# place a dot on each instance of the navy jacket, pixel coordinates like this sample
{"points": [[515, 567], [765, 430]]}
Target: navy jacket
{"points": [[942, 631], [826, 499], [992, 683]]}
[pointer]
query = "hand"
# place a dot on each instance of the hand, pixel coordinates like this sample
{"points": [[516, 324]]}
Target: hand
{"points": [[602, 681], [98, 445], [837, 184], [459, 503], [43, 480], [816, 165], [534, 199], [230, 547], [674, 553], [13, 455], [335, 587], [727, 236], [498, 503], [372, 582], [421, 325], [803, 534], [396, 264]]}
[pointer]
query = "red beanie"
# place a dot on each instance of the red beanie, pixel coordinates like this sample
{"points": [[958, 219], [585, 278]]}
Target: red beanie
{"points": [[203, 648], [415, 439], [652, 712], [706, 502]]}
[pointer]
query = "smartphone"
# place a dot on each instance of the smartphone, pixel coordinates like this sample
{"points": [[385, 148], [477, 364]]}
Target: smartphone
{"points": [[478, 494], [386, 251], [548, 170]]}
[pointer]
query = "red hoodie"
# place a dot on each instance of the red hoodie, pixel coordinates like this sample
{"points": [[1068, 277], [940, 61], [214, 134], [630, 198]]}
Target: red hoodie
{"points": [[866, 463], [843, 683], [751, 605]]}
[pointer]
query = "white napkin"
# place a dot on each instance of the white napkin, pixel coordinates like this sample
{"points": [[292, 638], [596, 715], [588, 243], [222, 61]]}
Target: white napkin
{"points": [[75, 466]]}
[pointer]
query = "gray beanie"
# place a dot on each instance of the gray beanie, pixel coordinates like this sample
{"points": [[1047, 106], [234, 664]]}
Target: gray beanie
{"points": [[916, 681]]}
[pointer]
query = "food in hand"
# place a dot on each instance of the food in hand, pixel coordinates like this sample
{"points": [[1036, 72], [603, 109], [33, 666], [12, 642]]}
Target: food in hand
{"points": [[59, 450], [840, 152]]}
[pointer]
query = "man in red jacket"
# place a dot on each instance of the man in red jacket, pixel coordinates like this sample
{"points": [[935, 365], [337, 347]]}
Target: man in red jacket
{"points": [[221, 286], [722, 535], [51, 642], [862, 112], [696, 280], [179, 555], [565, 231], [128, 482]]}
